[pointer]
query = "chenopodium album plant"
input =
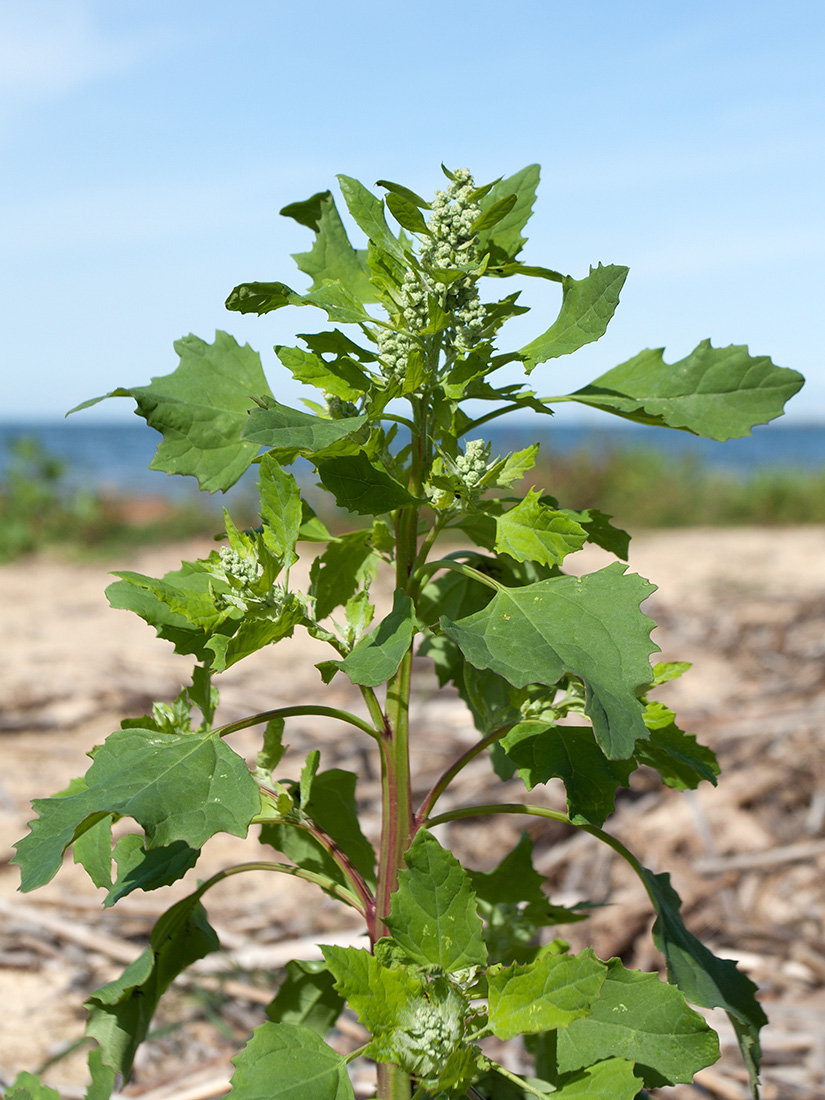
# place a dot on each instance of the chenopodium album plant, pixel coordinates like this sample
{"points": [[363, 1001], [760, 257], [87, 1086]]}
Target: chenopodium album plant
{"points": [[554, 668]]}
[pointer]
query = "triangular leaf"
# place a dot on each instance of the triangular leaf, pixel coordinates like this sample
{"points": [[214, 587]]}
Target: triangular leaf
{"points": [[289, 1062], [531, 531], [644, 1020], [307, 997], [703, 978], [433, 915], [543, 752], [280, 426], [176, 788], [590, 626], [201, 408]]}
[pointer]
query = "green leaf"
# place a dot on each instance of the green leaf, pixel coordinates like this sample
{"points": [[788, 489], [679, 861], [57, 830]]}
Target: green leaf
{"points": [[377, 993], [273, 747], [256, 632], [543, 752], [288, 1062], [102, 1083], [644, 1020], [201, 408], [280, 426], [548, 993], [416, 1025], [332, 256], [504, 240], [590, 626], [703, 978], [337, 574], [190, 585], [601, 532], [586, 309], [361, 487], [281, 509], [307, 212], [368, 212], [433, 915], [120, 1011], [342, 377], [494, 214], [307, 997], [28, 1086], [378, 654], [515, 466], [332, 805], [612, 1079], [176, 788], [93, 850], [406, 213], [677, 756], [403, 192], [139, 869], [515, 879], [720, 393], [262, 298], [533, 532], [339, 303]]}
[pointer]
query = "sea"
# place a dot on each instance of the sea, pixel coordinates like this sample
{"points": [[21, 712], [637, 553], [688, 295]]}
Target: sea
{"points": [[114, 457]]}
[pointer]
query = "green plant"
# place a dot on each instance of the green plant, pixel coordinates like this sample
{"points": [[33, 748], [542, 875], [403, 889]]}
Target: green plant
{"points": [[555, 671]]}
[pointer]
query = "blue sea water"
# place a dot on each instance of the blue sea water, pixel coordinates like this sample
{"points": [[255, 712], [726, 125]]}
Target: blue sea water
{"points": [[115, 457]]}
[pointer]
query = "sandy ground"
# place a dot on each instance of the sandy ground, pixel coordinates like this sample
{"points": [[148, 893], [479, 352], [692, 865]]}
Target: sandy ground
{"points": [[747, 607]]}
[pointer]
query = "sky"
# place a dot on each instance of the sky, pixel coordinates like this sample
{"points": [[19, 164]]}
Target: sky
{"points": [[148, 146]]}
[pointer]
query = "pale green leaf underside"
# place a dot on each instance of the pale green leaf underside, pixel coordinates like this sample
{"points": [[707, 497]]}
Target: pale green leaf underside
{"points": [[378, 654], [549, 993], [433, 915], [533, 532], [378, 994], [590, 626], [720, 393]]}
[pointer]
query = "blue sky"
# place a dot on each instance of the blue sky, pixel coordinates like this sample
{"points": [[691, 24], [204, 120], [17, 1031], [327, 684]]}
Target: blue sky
{"points": [[148, 146]]}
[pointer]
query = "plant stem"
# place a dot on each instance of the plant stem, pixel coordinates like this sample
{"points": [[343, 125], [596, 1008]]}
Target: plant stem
{"points": [[459, 567], [293, 712], [449, 775]]}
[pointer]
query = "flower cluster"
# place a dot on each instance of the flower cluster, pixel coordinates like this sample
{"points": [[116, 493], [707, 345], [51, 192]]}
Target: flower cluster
{"points": [[451, 243], [235, 566], [432, 1030], [461, 478], [474, 463]]}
